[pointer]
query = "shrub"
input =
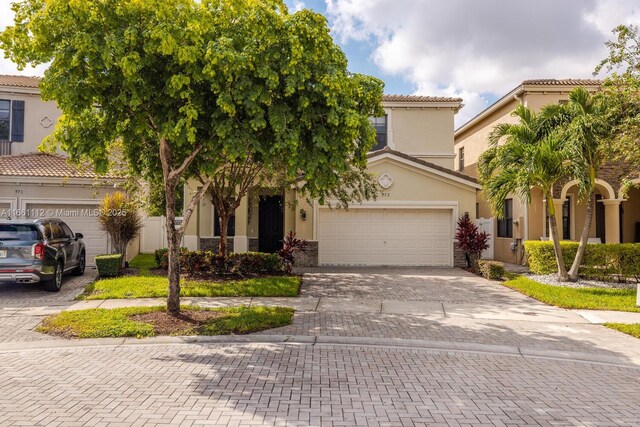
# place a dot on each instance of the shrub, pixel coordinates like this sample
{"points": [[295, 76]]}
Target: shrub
{"points": [[162, 257], [491, 270], [118, 217], [542, 257], [206, 263], [256, 263], [470, 240], [108, 265], [291, 245], [601, 261]]}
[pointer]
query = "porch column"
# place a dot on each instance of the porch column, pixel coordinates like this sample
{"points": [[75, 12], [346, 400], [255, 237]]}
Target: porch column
{"points": [[557, 204], [612, 220], [241, 239]]}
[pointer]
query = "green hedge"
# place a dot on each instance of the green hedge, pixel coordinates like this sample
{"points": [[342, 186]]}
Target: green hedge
{"points": [[208, 263], [108, 265], [491, 270], [601, 261]]}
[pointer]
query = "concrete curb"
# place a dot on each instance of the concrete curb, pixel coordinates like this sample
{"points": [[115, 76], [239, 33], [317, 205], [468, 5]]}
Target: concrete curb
{"points": [[397, 343]]}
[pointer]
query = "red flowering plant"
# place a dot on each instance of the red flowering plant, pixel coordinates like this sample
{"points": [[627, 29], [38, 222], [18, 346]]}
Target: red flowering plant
{"points": [[291, 245], [471, 241]]}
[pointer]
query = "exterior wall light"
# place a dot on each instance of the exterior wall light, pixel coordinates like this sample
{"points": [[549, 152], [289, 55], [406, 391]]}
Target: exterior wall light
{"points": [[303, 214]]}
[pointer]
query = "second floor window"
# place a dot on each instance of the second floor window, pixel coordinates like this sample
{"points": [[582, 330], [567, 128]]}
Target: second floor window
{"points": [[505, 225], [461, 159], [5, 122], [380, 123], [11, 120]]}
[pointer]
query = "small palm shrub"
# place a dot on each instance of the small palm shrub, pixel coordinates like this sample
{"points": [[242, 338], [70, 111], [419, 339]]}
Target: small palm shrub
{"points": [[118, 217]]}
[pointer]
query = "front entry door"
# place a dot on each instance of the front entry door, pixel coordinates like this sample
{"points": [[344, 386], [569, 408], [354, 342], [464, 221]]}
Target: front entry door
{"points": [[270, 223]]}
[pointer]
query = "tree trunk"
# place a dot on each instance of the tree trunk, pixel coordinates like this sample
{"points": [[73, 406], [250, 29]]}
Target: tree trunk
{"points": [[562, 270], [173, 301], [224, 223], [584, 238]]}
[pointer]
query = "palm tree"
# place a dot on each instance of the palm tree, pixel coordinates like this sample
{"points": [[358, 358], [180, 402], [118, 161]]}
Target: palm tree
{"points": [[581, 124], [520, 157]]}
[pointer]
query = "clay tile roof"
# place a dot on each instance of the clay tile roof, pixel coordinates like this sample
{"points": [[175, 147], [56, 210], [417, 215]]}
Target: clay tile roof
{"points": [[562, 82], [418, 98], [19, 81], [45, 165]]}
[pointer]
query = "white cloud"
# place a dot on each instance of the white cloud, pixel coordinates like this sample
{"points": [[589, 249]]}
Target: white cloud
{"points": [[6, 66], [469, 47]]}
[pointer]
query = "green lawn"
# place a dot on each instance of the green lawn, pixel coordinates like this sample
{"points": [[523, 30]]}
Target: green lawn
{"points": [[157, 287], [577, 298], [632, 329], [102, 323], [143, 262]]}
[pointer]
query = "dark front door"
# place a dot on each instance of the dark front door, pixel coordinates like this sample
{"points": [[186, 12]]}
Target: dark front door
{"points": [[600, 227], [270, 223]]}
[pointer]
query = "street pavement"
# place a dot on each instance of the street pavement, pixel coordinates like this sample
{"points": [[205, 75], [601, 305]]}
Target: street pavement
{"points": [[366, 347]]}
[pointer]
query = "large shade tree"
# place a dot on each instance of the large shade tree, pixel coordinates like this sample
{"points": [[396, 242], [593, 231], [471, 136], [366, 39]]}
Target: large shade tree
{"points": [[622, 92], [523, 156], [179, 80]]}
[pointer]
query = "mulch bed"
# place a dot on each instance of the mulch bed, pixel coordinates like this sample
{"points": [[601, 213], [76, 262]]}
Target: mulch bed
{"points": [[180, 324]]}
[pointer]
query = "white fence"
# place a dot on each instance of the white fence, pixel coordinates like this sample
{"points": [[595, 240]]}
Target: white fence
{"points": [[486, 225], [153, 234]]}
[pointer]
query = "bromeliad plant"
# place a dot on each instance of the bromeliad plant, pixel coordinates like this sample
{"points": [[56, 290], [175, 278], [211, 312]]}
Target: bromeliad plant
{"points": [[471, 241], [291, 245]]}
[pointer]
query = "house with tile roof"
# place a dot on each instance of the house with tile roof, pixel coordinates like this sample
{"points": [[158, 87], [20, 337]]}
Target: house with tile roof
{"points": [[617, 216], [36, 184], [412, 222]]}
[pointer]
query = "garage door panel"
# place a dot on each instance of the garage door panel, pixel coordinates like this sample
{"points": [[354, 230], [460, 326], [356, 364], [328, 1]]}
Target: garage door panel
{"points": [[385, 237]]}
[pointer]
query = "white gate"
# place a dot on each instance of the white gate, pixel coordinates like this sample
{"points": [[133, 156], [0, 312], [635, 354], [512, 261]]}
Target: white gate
{"points": [[486, 225], [153, 234]]}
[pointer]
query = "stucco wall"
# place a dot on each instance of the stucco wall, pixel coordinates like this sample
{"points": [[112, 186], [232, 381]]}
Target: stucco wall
{"points": [[35, 110], [631, 215], [423, 132], [412, 184], [475, 140]]}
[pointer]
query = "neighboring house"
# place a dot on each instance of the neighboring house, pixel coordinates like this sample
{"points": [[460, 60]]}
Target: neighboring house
{"points": [[616, 219], [35, 184], [412, 222]]}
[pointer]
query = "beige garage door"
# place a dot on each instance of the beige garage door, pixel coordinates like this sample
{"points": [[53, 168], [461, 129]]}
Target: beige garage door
{"points": [[81, 219], [385, 237]]}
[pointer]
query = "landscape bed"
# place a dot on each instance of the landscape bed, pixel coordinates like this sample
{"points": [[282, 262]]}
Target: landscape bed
{"points": [[143, 322]]}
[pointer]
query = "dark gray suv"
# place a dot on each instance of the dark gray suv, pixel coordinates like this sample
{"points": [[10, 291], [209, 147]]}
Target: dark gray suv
{"points": [[40, 250]]}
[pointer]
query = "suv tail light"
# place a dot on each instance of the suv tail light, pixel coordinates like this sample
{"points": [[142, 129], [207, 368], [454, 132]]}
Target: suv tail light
{"points": [[38, 251]]}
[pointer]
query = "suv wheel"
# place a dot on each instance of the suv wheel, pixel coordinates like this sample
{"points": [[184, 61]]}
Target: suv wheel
{"points": [[55, 284], [82, 262]]}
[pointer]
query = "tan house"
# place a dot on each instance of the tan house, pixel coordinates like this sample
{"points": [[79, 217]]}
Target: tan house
{"points": [[34, 184], [617, 218], [411, 223]]}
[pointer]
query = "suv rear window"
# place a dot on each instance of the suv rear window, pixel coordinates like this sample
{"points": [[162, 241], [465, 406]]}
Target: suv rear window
{"points": [[19, 232]]}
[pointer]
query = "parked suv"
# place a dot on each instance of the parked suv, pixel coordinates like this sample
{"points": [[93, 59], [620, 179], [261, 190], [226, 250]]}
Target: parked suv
{"points": [[40, 250]]}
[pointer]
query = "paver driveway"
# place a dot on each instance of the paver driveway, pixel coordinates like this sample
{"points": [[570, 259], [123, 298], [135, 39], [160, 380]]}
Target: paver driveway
{"points": [[456, 350]]}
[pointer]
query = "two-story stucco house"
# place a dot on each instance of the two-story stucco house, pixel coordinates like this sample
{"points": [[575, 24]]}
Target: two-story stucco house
{"points": [[35, 184], [616, 219], [412, 222]]}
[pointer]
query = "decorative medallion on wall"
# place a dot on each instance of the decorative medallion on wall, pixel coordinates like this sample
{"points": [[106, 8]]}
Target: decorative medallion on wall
{"points": [[385, 180], [46, 122]]}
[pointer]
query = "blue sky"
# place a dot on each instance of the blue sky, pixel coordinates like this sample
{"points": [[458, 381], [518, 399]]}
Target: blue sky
{"points": [[476, 50]]}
